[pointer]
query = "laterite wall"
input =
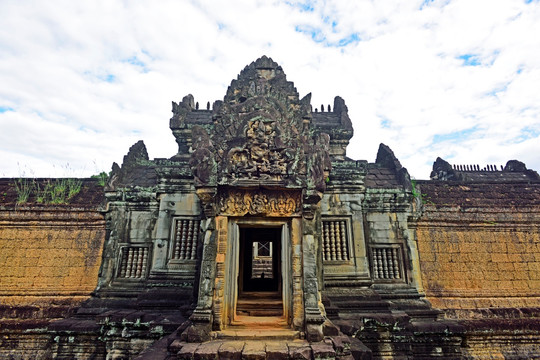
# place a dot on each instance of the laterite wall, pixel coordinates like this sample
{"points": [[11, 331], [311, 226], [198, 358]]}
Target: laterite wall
{"points": [[479, 246], [49, 254]]}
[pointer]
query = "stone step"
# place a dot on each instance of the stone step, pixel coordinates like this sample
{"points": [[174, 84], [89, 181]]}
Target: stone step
{"points": [[259, 322], [331, 348], [259, 295], [258, 334], [260, 312], [259, 304], [253, 305]]}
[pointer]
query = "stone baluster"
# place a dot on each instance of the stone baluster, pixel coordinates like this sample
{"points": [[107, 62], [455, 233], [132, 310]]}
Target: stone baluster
{"points": [[177, 238], [338, 241], [344, 245], [183, 241], [326, 240], [375, 264], [189, 235], [395, 260], [129, 262], [194, 238], [139, 252], [332, 241], [384, 264], [380, 264], [144, 260], [123, 266]]}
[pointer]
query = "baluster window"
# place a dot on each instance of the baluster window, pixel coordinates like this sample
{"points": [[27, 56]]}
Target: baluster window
{"points": [[186, 234], [386, 262], [133, 263], [335, 242]]}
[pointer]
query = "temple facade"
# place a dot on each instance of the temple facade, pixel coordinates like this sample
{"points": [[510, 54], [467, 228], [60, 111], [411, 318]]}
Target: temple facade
{"points": [[261, 239]]}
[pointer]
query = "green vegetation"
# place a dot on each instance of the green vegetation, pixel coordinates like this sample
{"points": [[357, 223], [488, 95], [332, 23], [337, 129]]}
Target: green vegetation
{"points": [[416, 193], [23, 187], [49, 191], [102, 178]]}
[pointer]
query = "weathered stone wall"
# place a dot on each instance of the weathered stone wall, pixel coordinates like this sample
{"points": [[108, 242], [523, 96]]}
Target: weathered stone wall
{"points": [[479, 246], [49, 263], [49, 253]]}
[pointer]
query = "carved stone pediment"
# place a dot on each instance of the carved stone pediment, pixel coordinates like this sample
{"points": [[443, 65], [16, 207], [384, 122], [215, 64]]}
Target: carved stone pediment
{"points": [[260, 136]]}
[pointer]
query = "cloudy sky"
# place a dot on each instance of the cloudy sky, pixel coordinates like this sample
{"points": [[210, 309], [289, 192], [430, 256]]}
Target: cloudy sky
{"points": [[81, 81]]}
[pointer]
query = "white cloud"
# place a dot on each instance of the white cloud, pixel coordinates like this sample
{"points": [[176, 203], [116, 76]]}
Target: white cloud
{"points": [[82, 81]]}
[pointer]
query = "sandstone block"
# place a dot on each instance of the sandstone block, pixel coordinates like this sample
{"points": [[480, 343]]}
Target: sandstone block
{"points": [[208, 351], [277, 350], [323, 351], [300, 351], [187, 351], [231, 350], [254, 350]]}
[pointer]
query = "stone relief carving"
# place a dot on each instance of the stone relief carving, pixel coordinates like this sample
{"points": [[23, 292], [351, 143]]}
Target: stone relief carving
{"points": [[320, 164], [262, 203], [261, 133], [202, 162]]}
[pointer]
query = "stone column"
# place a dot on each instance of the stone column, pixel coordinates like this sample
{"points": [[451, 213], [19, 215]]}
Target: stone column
{"points": [[202, 316], [312, 299]]}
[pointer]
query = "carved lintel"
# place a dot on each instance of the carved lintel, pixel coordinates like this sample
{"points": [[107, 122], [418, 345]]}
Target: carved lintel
{"points": [[240, 202]]}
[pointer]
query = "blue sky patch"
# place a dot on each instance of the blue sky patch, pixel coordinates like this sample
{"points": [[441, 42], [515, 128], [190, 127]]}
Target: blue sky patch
{"points": [[135, 61], [109, 78], [498, 89], [454, 136], [441, 3], [527, 133], [318, 36], [353, 38], [306, 6], [425, 3], [470, 60], [4, 109], [385, 123]]}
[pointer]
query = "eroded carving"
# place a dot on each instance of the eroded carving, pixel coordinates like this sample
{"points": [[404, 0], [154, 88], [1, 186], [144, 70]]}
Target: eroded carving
{"points": [[261, 202], [261, 133], [202, 162]]}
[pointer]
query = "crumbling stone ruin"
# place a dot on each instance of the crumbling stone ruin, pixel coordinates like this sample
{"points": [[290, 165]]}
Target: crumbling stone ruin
{"points": [[261, 239]]}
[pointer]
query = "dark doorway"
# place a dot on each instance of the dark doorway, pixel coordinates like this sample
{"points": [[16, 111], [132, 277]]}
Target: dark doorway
{"points": [[259, 280]]}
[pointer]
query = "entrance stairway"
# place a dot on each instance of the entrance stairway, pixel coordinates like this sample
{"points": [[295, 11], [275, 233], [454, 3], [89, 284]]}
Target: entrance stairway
{"points": [[259, 303]]}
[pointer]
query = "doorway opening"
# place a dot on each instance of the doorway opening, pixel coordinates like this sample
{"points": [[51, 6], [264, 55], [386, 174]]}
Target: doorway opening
{"points": [[259, 275]]}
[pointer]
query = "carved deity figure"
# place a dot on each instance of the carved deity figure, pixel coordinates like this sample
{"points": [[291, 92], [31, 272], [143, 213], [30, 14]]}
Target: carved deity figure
{"points": [[320, 164], [202, 162]]}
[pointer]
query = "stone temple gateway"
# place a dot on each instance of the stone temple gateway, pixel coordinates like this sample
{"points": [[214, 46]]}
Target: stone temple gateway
{"points": [[262, 165], [261, 239]]}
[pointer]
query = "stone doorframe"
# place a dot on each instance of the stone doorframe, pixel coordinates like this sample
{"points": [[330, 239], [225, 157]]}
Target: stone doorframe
{"points": [[291, 269], [226, 210]]}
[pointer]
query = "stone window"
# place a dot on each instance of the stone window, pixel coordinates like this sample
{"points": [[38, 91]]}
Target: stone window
{"points": [[185, 236], [335, 240], [386, 262], [133, 263]]}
